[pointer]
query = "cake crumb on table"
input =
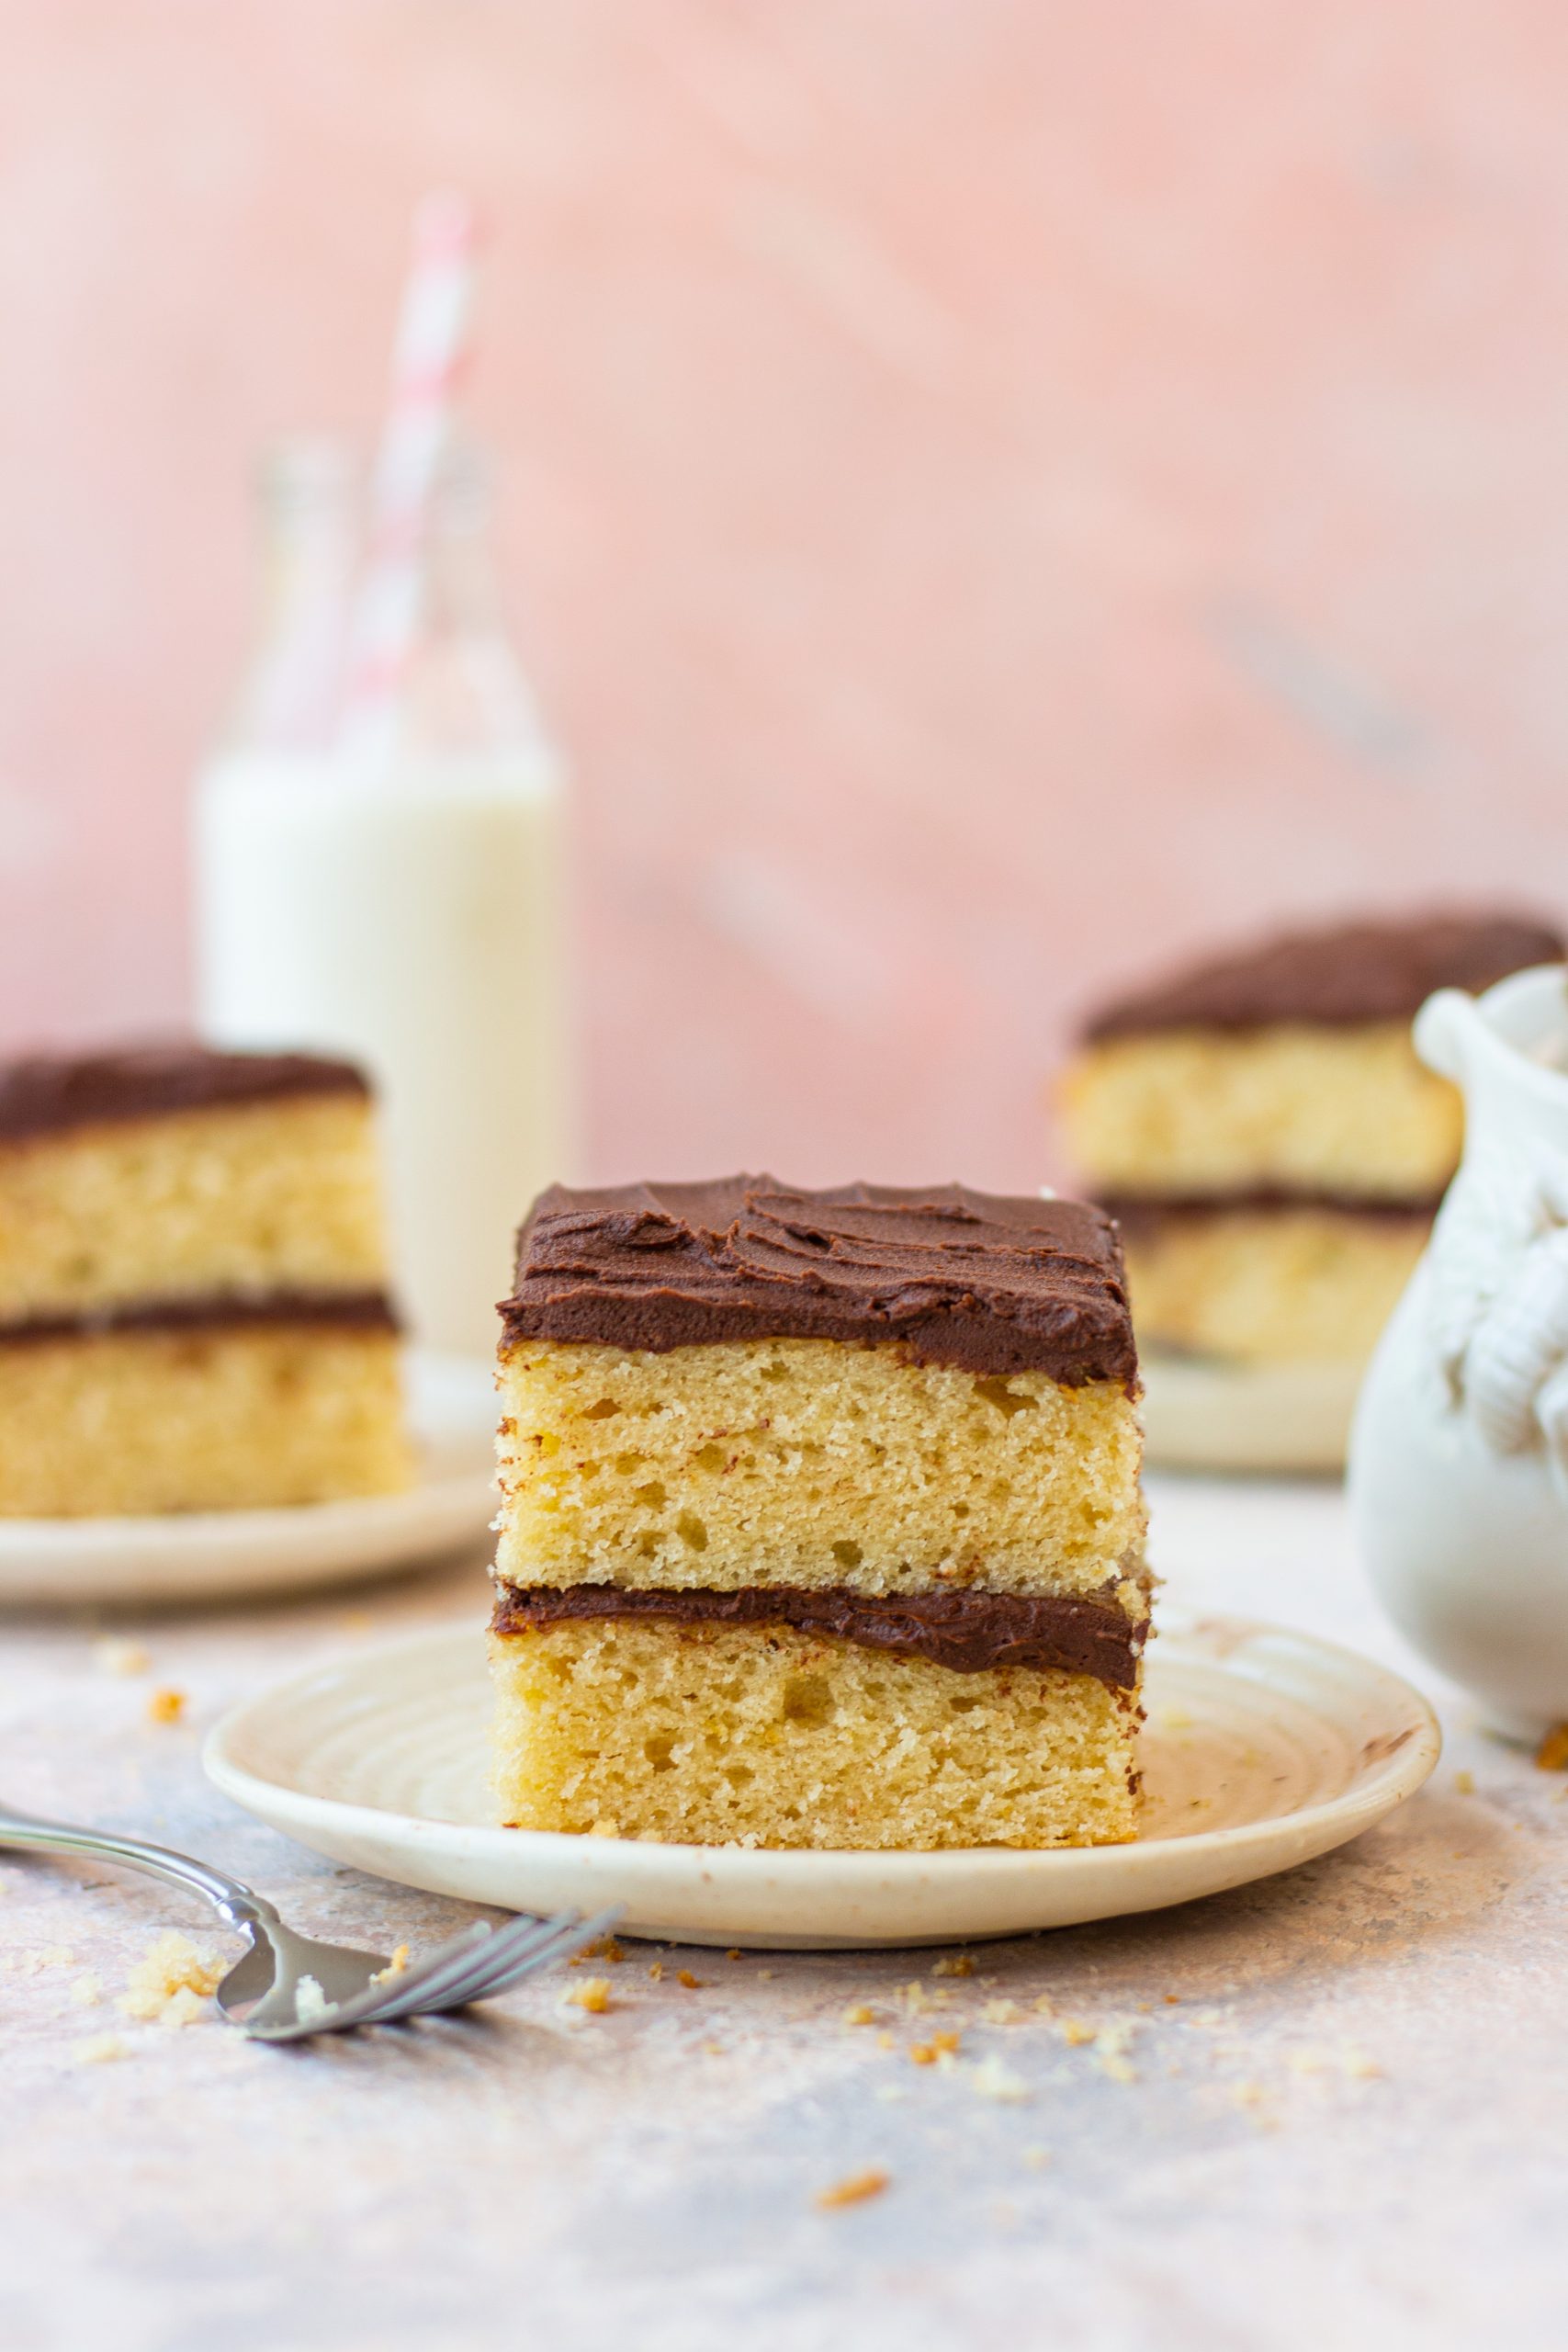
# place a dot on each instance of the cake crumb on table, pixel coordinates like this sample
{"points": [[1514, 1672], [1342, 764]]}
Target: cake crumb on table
{"points": [[170, 1984], [592, 1995], [166, 1706], [1464, 1785], [655, 1969], [859, 2013], [98, 2049], [684, 1976], [958, 1964], [396, 1966], [1553, 1753], [993, 2079], [114, 1655], [855, 2189], [86, 1992]]}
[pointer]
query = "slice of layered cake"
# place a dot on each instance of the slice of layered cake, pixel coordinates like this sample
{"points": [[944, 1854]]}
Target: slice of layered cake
{"points": [[193, 1286], [821, 1520], [1263, 1132]]}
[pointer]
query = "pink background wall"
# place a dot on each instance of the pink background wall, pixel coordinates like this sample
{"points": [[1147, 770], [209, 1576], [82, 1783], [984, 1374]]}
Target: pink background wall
{"points": [[995, 490]]}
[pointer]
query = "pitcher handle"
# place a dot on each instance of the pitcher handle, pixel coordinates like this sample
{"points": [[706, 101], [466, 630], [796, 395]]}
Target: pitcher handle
{"points": [[1448, 1026]]}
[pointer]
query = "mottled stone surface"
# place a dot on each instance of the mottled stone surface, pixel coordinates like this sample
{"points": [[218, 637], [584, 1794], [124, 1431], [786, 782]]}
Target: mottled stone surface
{"points": [[1345, 2127]]}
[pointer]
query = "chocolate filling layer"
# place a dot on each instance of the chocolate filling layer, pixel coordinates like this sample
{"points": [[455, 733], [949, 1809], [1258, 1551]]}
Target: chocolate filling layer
{"points": [[1139, 1212], [971, 1633], [367, 1311], [993, 1285], [1339, 976], [48, 1093]]}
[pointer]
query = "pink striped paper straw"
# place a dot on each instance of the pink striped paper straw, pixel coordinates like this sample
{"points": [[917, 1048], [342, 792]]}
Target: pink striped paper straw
{"points": [[426, 360]]}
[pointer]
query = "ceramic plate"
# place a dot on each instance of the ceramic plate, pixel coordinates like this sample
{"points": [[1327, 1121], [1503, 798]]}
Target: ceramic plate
{"points": [[1264, 1747], [221, 1555], [1202, 1414]]}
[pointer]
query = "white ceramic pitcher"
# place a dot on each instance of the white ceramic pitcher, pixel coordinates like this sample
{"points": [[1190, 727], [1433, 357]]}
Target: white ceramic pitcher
{"points": [[1458, 1454]]}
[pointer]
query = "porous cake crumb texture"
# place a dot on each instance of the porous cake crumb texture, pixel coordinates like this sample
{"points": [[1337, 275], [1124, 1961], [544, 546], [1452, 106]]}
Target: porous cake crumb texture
{"points": [[818, 1463], [1284, 1284], [210, 1419], [712, 1734], [264, 1197], [1187, 1111]]}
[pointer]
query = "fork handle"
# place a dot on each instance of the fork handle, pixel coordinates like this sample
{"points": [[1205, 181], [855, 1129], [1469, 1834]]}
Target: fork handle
{"points": [[231, 1897]]}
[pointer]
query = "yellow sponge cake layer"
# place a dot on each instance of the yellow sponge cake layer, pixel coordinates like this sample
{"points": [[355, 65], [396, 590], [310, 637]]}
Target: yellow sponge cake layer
{"points": [[822, 1462], [245, 1199], [1316, 1109], [1269, 1285], [715, 1735], [216, 1417]]}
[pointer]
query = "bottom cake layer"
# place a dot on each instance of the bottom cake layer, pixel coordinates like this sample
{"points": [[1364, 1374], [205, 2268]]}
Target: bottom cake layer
{"points": [[764, 1735], [215, 1417], [1282, 1283]]}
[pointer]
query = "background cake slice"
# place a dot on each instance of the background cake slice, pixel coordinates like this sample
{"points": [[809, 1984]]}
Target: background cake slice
{"points": [[194, 1312], [1265, 1134], [821, 1520]]}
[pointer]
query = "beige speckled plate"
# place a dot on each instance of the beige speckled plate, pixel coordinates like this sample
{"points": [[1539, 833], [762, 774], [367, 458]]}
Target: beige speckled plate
{"points": [[1263, 1748], [218, 1555]]}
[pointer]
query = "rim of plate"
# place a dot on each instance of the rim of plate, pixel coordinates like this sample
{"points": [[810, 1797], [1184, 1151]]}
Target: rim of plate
{"points": [[1389, 1783]]}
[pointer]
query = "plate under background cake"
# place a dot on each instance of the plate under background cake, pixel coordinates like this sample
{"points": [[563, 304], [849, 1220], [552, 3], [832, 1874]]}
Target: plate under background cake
{"points": [[821, 1521], [1265, 1134], [194, 1312]]}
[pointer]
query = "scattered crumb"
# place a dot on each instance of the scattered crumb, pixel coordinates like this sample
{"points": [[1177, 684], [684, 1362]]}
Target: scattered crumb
{"points": [[604, 1948], [765, 1975], [941, 2045], [99, 2048], [1001, 2011], [592, 1995], [1464, 1785], [684, 1976], [855, 2189], [734, 1955], [310, 2004], [1120, 2068], [1075, 2032], [114, 1655], [1207, 2017], [86, 1992], [33, 1963], [655, 1969], [859, 2013], [1247, 2094], [1553, 1753], [885, 2039], [166, 1706], [1172, 2000], [713, 2050], [396, 1966], [1036, 2158], [170, 1984], [358, 1621], [1044, 2005], [993, 2079], [958, 1964], [1359, 2067]]}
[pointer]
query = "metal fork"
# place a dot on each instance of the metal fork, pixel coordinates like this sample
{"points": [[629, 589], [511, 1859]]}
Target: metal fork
{"points": [[287, 1985]]}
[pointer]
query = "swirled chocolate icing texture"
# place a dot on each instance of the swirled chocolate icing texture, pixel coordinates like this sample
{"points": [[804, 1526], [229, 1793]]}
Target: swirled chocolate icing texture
{"points": [[989, 1284], [1339, 977], [44, 1093]]}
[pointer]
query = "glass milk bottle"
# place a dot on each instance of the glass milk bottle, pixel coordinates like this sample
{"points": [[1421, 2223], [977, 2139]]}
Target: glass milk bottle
{"points": [[403, 905]]}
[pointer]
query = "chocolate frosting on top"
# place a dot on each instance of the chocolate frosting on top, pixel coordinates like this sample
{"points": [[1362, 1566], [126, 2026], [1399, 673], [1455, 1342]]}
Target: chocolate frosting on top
{"points": [[1337, 976], [969, 1632], [46, 1092], [992, 1285]]}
